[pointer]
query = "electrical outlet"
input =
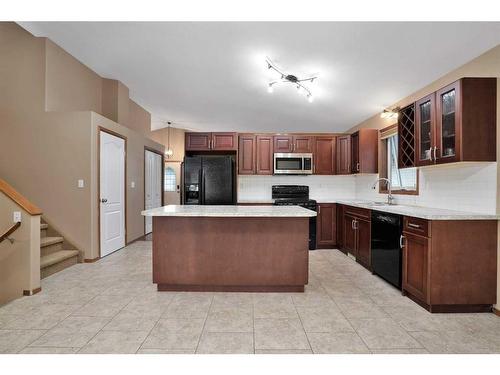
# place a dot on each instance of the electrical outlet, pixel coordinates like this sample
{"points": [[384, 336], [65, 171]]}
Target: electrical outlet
{"points": [[17, 216], [132, 184], [81, 183]]}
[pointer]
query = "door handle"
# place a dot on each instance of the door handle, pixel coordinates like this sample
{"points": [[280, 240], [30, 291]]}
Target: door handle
{"points": [[352, 224], [103, 200], [413, 225], [401, 241]]}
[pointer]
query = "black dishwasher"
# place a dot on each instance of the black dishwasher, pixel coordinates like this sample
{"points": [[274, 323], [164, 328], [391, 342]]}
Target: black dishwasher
{"points": [[386, 249]]}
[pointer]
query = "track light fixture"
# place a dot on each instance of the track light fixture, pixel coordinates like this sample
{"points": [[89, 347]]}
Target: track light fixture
{"points": [[290, 78]]}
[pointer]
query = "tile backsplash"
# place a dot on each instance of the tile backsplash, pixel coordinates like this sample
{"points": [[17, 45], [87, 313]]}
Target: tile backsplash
{"points": [[464, 187]]}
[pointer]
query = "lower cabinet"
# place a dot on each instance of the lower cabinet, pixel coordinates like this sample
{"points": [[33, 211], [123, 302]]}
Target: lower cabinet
{"points": [[349, 233], [340, 231], [415, 265], [356, 230], [363, 242], [326, 226]]}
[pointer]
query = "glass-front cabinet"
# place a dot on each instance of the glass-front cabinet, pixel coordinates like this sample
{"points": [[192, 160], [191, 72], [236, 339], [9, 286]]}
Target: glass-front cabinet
{"points": [[447, 122], [425, 129]]}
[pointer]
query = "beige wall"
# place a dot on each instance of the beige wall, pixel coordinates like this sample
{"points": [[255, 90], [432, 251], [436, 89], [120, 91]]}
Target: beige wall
{"points": [[176, 141], [70, 85], [486, 65], [43, 154], [19, 261], [139, 119]]}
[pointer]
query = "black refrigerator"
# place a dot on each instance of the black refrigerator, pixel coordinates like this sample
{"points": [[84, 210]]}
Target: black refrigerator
{"points": [[209, 180]]}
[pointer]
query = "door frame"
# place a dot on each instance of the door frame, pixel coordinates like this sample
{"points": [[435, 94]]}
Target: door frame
{"points": [[147, 148], [111, 132]]}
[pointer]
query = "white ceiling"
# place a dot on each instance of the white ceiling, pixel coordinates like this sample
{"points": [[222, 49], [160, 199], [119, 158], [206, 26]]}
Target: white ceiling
{"points": [[213, 75]]}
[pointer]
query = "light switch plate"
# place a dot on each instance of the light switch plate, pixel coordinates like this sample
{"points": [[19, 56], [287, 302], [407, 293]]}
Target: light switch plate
{"points": [[132, 184], [81, 183], [17, 216]]}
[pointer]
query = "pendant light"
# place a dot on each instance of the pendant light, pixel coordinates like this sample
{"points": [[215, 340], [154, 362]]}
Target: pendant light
{"points": [[168, 152]]}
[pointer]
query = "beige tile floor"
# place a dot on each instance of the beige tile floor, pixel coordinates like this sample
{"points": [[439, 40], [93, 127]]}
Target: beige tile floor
{"points": [[112, 307]]}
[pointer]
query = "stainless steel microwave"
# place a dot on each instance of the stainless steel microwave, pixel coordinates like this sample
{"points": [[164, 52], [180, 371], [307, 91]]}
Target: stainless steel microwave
{"points": [[291, 163]]}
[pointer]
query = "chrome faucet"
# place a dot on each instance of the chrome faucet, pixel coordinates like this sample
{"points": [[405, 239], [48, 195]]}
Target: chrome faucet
{"points": [[390, 198]]}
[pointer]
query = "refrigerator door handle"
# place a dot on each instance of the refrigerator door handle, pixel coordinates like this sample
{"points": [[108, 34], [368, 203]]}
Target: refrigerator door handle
{"points": [[202, 187]]}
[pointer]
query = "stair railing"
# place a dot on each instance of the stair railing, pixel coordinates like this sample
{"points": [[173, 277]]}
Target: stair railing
{"points": [[8, 232]]}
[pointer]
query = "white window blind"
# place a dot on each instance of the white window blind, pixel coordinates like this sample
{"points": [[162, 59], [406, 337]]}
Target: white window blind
{"points": [[401, 179]]}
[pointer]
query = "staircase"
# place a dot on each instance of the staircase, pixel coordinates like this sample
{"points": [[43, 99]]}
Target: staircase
{"points": [[55, 253]]}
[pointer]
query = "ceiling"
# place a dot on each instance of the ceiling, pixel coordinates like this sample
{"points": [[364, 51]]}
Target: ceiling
{"points": [[213, 76]]}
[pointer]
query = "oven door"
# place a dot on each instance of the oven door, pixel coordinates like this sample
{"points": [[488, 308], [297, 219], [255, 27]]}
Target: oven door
{"points": [[288, 163]]}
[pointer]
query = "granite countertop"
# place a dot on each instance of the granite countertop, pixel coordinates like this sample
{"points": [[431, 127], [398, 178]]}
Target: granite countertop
{"points": [[428, 213], [229, 211]]}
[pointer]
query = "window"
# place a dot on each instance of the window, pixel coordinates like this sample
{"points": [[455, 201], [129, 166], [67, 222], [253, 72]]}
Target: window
{"points": [[402, 180], [170, 180]]}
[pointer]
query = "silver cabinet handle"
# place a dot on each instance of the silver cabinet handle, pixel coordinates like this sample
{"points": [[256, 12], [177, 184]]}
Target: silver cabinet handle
{"points": [[413, 225], [430, 153], [435, 151], [357, 167], [352, 224], [401, 241]]}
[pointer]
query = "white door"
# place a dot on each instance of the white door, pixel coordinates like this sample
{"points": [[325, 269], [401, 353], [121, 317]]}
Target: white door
{"points": [[112, 193], [152, 184]]}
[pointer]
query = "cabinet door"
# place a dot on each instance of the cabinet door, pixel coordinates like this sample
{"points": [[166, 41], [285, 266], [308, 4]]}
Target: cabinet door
{"points": [[344, 154], [425, 124], [324, 155], [224, 141], [355, 166], [363, 242], [447, 124], [198, 141], [326, 225], [340, 235], [415, 265], [283, 143], [302, 143], [246, 154], [264, 154], [349, 235]]}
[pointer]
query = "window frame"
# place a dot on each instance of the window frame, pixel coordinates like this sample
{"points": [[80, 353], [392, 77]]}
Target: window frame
{"points": [[383, 163], [165, 180]]}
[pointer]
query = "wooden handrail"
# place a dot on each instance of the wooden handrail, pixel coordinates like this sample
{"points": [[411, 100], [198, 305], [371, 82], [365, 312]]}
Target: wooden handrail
{"points": [[25, 204], [9, 231]]}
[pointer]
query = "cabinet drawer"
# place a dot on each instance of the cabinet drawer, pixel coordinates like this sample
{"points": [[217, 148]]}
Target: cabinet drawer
{"points": [[417, 226], [361, 213]]}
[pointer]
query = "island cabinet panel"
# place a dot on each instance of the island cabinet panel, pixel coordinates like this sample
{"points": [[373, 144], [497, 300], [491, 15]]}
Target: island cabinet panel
{"points": [[198, 141], [303, 143], [364, 151], [246, 254], [283, 143], [326, 226], [264, 154], [343, 154], [247, 154], [450, 265], [224, 141], [325, 155]]}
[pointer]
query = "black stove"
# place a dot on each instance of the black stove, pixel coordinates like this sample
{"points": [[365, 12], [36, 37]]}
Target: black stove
{"points": [[298, 195]]}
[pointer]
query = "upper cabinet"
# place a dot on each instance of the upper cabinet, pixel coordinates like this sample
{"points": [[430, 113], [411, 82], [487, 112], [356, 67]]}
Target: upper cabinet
{"points": [[325, 155], [293, 143], [457, 123], [343, 154], [211, 142], [255, 154], [364, 151]]}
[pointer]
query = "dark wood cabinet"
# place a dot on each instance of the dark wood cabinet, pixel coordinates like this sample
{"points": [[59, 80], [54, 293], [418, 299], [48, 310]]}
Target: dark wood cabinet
{"points": [[325, 155], [357, 234], [303, 143], [247, 154], [224, 141], [326, 226], [364, 151], [363, 242], [283, 143], [457, 123], [264, 154], [211, 141], [340, 236], [415, 266], [198, 141], [343, 154]]}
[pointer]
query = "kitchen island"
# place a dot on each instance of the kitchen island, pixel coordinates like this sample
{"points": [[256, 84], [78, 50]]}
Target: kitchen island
{"points": [[230, 248]]}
